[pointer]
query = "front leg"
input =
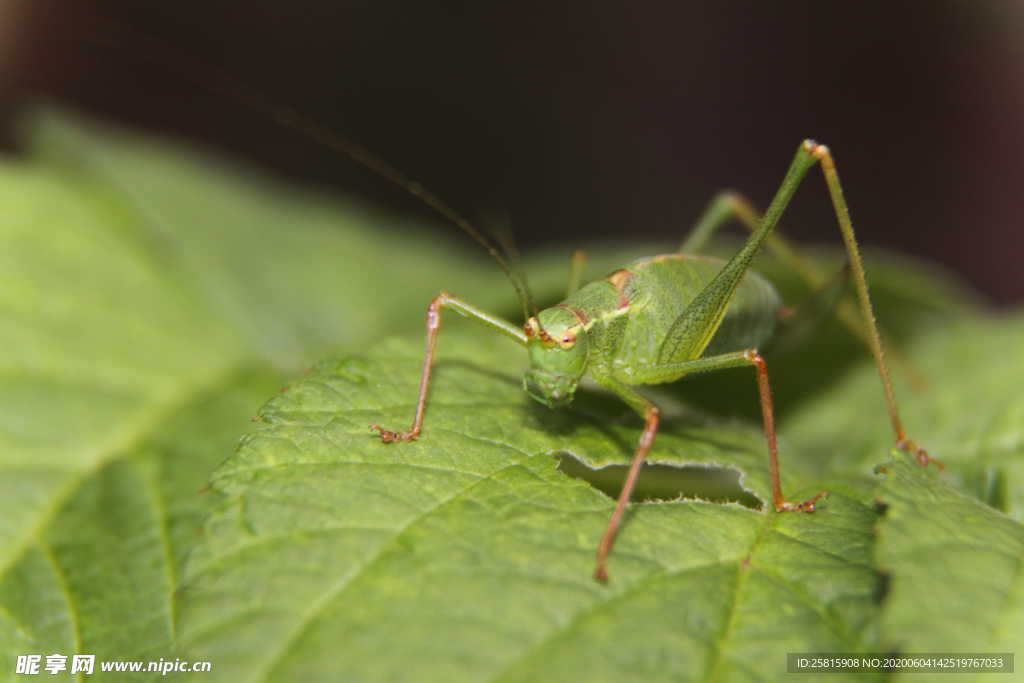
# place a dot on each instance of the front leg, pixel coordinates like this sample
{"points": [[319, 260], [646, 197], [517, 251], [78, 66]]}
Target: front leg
{"points": [[444, 300], [650, 413]]}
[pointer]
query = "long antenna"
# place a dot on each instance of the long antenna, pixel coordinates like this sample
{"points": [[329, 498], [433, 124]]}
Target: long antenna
{"points": [[289, 117]]}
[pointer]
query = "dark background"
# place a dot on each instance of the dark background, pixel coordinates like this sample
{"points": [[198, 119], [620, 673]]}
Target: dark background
{"points": [[585, 121]]}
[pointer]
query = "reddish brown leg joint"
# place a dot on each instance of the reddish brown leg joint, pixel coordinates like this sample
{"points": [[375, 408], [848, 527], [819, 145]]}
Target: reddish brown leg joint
{"points": [[608, 540], [433, 326]]}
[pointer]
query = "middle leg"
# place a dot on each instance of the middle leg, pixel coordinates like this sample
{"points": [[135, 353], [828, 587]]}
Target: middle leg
{"points": [[750, 357], [650, 413]]}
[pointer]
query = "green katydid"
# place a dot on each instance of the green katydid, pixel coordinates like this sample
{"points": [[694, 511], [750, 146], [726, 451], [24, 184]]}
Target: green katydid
{"points": [[659, 319], [654, 321]]}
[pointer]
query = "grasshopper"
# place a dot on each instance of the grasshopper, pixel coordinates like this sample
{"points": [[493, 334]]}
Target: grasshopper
{"points": [[659, 319]]}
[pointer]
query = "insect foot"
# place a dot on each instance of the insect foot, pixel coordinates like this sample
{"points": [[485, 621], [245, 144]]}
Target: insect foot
{"points": [[920, 454], [806, 506], [388, 436]]}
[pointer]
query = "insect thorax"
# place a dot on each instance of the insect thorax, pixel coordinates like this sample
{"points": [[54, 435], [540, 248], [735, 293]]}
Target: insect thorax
{"points": [[633, 310]]}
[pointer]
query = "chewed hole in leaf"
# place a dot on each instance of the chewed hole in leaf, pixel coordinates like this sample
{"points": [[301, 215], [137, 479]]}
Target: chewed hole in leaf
{"points": [[664, 482]]}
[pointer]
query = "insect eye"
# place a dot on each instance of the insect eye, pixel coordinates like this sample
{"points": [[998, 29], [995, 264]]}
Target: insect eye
{"points": [[567, 342]]}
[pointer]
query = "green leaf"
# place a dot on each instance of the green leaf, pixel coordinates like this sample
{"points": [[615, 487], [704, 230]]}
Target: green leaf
{"points": [[970, 415], [956, 567], [468, 555]]}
